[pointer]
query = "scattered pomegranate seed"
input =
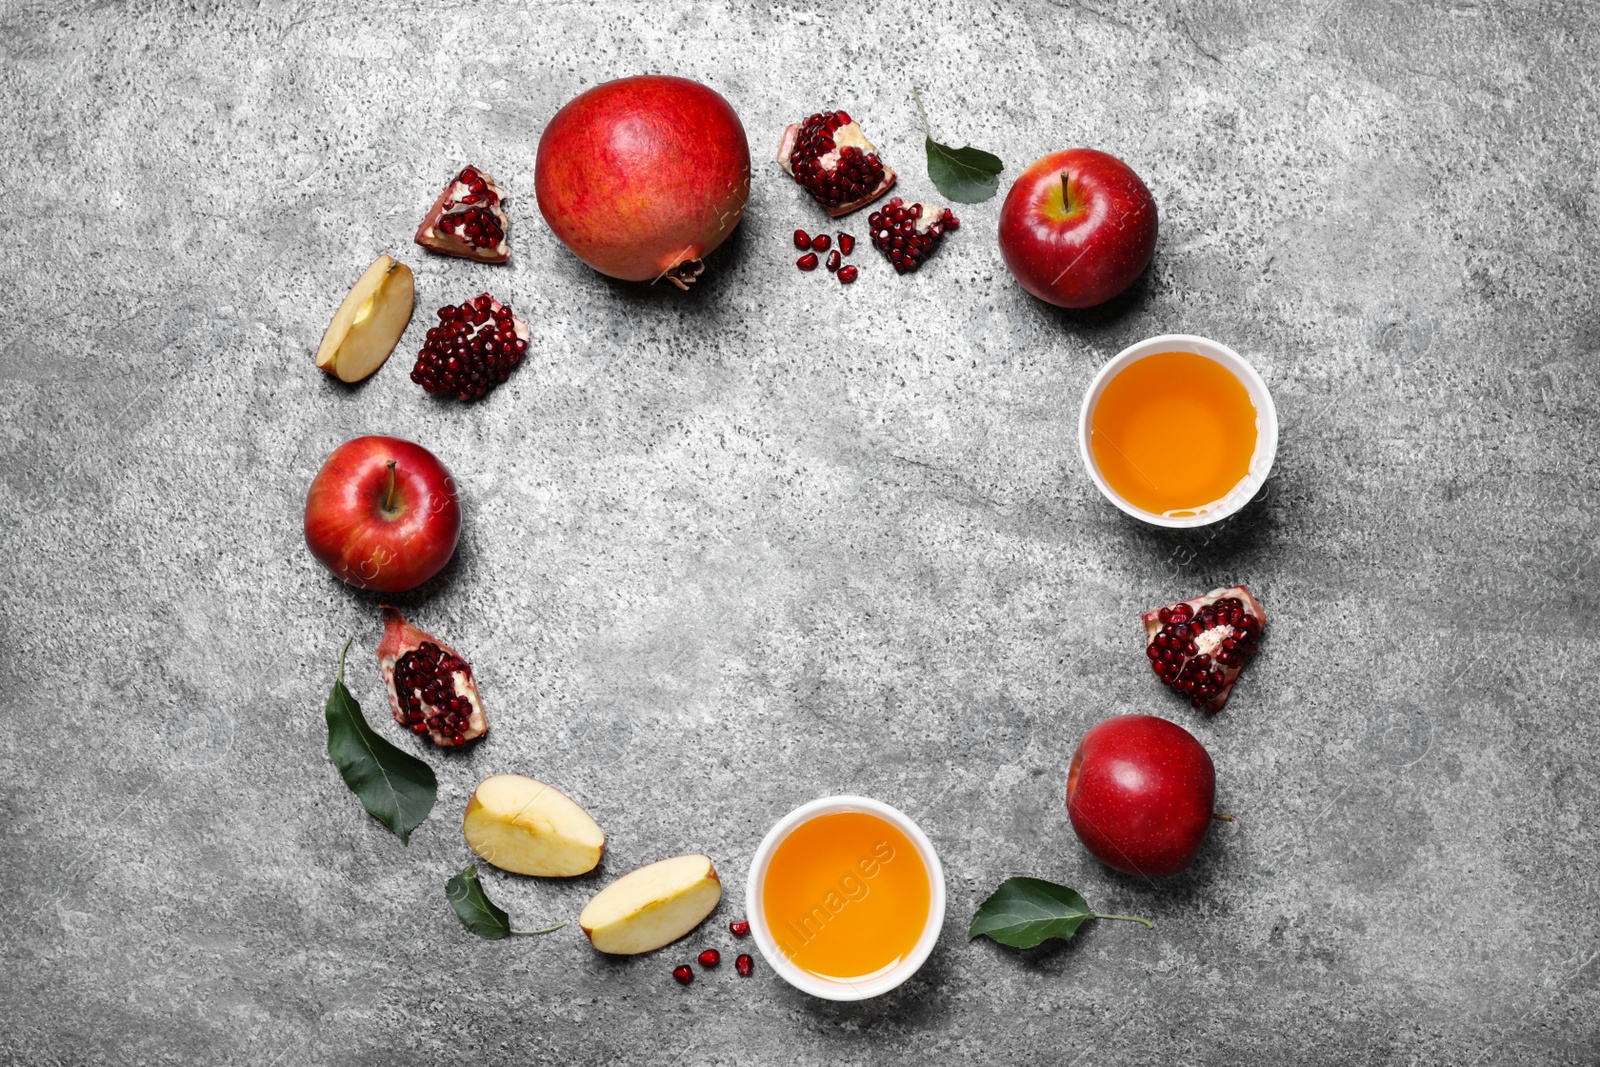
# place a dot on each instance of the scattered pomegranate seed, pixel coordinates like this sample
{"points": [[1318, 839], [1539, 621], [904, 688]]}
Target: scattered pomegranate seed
{"points": [[710, 958], [821, 243], [847, 275], [739, 928], [847, 244], [802, 240], [745, 965], [683, 974], [833, 260], [807, 261]]}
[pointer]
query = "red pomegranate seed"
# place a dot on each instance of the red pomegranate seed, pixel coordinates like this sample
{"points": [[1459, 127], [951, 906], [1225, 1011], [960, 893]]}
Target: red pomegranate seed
{"points": [[807, 261], [710, 958], [833, 260], [847, 275], [802, 240], [821, 243], [683, 974], [745, 965], [739, 928], [847, 244]]}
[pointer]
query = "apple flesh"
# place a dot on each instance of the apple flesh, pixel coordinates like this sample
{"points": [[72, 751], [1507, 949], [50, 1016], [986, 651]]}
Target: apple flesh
{"points": [[527, 827], [652, 906], [1140, 792], [369, 322], [382, 514], [1077, 228]]}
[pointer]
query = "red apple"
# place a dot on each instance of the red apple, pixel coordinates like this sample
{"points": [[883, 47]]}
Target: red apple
{"points": [[1077, 228], [1139, 793], [382, 514], [642, 177]]}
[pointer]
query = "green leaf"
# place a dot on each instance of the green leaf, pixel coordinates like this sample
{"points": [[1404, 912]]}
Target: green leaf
{"points": [[477, 912], [395, 787], [1025, 912], [966, 175]]}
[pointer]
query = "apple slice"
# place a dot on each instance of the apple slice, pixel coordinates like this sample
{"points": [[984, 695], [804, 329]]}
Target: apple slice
{"points": [[526, 827], [652, 906], [369, 323]]}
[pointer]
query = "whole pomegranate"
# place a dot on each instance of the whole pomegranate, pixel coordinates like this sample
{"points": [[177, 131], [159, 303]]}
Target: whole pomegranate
{"points": [[642, 177]]}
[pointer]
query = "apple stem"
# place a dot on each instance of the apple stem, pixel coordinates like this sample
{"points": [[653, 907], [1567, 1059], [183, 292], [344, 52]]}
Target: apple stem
{"points": [[546, 930], [388, 497], [1066, 191], [1129, 919], [1221, 818]]}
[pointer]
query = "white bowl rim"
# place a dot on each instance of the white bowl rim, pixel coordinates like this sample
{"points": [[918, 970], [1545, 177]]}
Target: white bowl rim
{"points": [[1266, 426], [804, 980]]}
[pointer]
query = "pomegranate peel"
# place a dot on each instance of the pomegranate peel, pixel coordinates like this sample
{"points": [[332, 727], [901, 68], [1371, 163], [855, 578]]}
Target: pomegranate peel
{"points": [[831, 158], [431, 690], [1198, 646], [467, 220]]}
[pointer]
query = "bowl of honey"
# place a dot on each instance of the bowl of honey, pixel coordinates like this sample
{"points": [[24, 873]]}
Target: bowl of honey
{"points": [[1178, 431], [845, 898]]}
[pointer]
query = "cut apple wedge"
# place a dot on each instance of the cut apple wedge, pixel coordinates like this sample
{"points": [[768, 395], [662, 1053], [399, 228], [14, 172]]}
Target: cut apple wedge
{"points": [[369, 323], [652, 906], [526, 827]]}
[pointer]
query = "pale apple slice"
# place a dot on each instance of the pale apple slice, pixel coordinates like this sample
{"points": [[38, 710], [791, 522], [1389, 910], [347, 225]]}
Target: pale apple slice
{"points": [[369, 323], [526, 827], [652, 906]]}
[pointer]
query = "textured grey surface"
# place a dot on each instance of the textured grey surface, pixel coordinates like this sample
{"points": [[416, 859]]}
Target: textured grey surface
{"points": [[731, 551]]}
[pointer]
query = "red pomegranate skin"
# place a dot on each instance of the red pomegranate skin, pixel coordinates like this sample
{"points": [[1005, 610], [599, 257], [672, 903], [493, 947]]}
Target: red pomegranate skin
{"points": [[1140, 792], [640, 174], [349, 530]]}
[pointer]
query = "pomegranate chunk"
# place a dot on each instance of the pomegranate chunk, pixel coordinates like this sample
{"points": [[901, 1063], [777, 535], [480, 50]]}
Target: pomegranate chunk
{"points": [[430, 685], [467, 220], [830, 156], [1198, 646], [908, 233], [474, 348]]}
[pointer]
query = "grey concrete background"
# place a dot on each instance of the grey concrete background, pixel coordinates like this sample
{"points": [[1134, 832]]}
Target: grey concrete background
{"points": [[730, 551]]}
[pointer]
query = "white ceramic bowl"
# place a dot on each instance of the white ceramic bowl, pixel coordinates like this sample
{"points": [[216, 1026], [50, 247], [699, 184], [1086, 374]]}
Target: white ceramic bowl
{"points": [[1266, 426], [829, 989]]}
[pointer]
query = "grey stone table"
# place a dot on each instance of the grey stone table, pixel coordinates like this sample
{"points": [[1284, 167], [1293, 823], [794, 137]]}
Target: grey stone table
{"points": [[730, 551]]}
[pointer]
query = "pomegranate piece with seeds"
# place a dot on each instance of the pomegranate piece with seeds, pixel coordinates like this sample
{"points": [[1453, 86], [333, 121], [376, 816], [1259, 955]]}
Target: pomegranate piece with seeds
{"points": [[683, 973], [1198, 646], [908, 233], [830, 156], [745, 965], [467, 220], [430, 685], [474, 348]]}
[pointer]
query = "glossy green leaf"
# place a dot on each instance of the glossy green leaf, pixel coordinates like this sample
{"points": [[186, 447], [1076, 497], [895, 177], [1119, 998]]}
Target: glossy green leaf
{"points": [[1025, 912], [477, 912], [395, 787], [965, 175]]}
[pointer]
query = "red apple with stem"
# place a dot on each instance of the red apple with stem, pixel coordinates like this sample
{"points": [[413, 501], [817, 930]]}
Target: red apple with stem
{"points": [[1077, 228], [382, 514], [1139, 793]]}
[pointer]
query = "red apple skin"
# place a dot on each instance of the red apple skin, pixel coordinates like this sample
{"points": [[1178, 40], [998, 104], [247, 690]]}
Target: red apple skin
{"points": [[1140, 792], [640, 174], [387, 549], [1080, 243]]}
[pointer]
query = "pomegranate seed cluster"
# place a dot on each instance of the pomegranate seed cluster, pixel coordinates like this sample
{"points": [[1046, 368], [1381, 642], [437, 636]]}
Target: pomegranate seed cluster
{"points": [[895, 233], [474, 348], [821, 243], [424, 680], [472, 217], [1193, 649], [854, 175], [710, 958]]}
